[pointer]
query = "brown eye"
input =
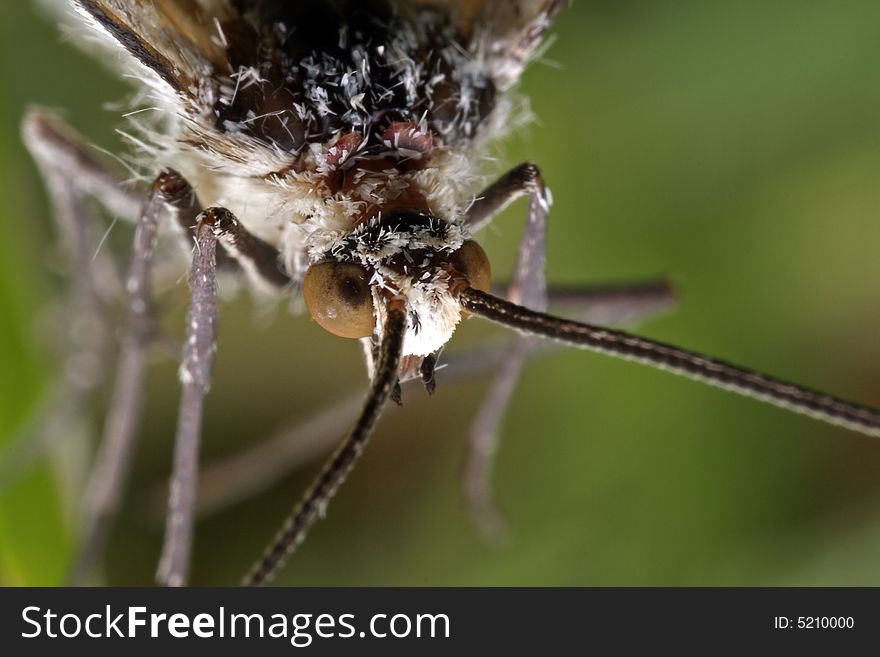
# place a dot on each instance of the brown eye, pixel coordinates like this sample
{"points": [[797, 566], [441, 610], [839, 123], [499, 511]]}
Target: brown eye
{"points": [[338, 297], [471, 261]]}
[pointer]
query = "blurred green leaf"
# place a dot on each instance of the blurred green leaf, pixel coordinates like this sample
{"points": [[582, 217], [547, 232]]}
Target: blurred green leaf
{"points": [[734, 146]]}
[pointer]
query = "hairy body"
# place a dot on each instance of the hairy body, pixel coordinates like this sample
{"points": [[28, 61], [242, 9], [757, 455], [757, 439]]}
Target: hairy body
{"points": [[309, 119]]}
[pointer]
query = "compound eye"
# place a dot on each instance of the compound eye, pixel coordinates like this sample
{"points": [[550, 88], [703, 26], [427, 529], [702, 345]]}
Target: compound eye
{"points": [[471, 261], [338, 297]]}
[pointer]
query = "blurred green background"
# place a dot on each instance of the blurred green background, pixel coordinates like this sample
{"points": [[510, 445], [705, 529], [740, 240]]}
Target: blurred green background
{"points": [[733, 146]]}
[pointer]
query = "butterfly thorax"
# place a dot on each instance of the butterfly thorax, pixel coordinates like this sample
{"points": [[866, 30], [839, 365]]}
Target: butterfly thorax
{"points": [[311, 71]]}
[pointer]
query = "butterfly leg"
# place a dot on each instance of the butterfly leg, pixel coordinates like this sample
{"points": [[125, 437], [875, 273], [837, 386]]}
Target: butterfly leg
{"points": [[215, 228], [87, 336], [612, 304], [195, 376], [529, 288], [109, 474], [73, 173]]}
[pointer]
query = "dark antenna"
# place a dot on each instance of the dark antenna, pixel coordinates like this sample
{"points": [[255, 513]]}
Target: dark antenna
{"points": [[340, 464], [678, 361]]}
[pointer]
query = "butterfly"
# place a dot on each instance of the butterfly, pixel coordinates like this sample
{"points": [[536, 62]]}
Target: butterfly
{"points": [[332, 152]]}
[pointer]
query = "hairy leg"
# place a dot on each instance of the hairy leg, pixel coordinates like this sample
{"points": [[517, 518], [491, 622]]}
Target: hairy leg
{"points": [[612, 304], [214, 227], [72, 173], [106, 483], [84, 314], [195, 376], [529, 288]]}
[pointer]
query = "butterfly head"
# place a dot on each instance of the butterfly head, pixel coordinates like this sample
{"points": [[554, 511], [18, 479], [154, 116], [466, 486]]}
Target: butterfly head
{"points": [[405, 256]]}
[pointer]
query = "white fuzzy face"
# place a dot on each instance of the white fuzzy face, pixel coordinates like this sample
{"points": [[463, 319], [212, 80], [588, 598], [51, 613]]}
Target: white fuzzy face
{"points": [[433, 311], [406, 255]]}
